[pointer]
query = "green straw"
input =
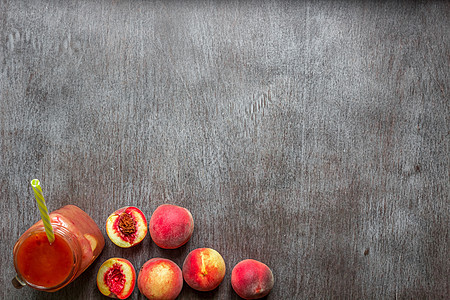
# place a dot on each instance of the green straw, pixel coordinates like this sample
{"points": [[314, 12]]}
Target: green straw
{"points": [[43, 210]]}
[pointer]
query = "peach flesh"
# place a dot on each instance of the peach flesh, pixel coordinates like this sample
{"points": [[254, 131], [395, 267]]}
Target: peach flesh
{"points": [[204, 269], [160, 278], [252, 279], [126, 227], [116, 278], [171, 226]]}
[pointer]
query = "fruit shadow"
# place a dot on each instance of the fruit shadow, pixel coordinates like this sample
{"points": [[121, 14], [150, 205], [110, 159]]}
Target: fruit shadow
{"points": [[177, 255], [234, 296], [190, 293]]}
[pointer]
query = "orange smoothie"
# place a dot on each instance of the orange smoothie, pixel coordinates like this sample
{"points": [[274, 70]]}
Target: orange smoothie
{"points": [[45, 264]]}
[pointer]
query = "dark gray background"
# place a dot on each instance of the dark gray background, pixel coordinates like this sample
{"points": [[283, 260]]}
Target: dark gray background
{"points": [[312, 136]]}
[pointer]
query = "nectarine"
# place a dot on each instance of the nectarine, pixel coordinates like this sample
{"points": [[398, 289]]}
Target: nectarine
{"points": [[251, 279], [171, 226], [159, 279], [126, 227], [116, 278], [203, 269]]}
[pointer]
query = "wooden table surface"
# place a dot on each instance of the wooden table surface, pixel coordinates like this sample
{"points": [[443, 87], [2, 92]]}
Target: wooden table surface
{"points": [[310, 135]]}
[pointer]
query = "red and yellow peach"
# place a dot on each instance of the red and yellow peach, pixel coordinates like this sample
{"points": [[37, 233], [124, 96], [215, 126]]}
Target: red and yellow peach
{"points": [[171, 226], [126, 227], [252, 279], [160, 278], [203, 269], [116, 278]]}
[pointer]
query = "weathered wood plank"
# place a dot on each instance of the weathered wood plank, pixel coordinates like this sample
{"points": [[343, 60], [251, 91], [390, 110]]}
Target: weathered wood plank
{"points": [[311, 136]]}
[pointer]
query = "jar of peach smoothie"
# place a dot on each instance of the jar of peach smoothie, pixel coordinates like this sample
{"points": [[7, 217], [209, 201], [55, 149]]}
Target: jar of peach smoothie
{"points": [[50, 267]]}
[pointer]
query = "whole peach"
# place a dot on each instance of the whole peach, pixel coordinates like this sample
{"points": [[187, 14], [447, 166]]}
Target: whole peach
{"points": [[160, 278], [203, 269], [171, 226], [251, 279]]}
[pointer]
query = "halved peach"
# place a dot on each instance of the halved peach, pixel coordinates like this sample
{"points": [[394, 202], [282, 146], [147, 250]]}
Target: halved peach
{"points": [[126, 227], [116, 278]]}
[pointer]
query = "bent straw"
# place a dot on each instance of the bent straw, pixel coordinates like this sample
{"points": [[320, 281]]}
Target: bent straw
{"points": [[43, 210]]}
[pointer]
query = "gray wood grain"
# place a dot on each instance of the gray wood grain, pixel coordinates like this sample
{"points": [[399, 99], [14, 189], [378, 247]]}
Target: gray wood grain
{"points": [[312, 136]]}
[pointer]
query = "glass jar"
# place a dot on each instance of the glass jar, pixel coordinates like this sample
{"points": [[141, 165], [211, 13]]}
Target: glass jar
{"points": [[50, 267]]}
